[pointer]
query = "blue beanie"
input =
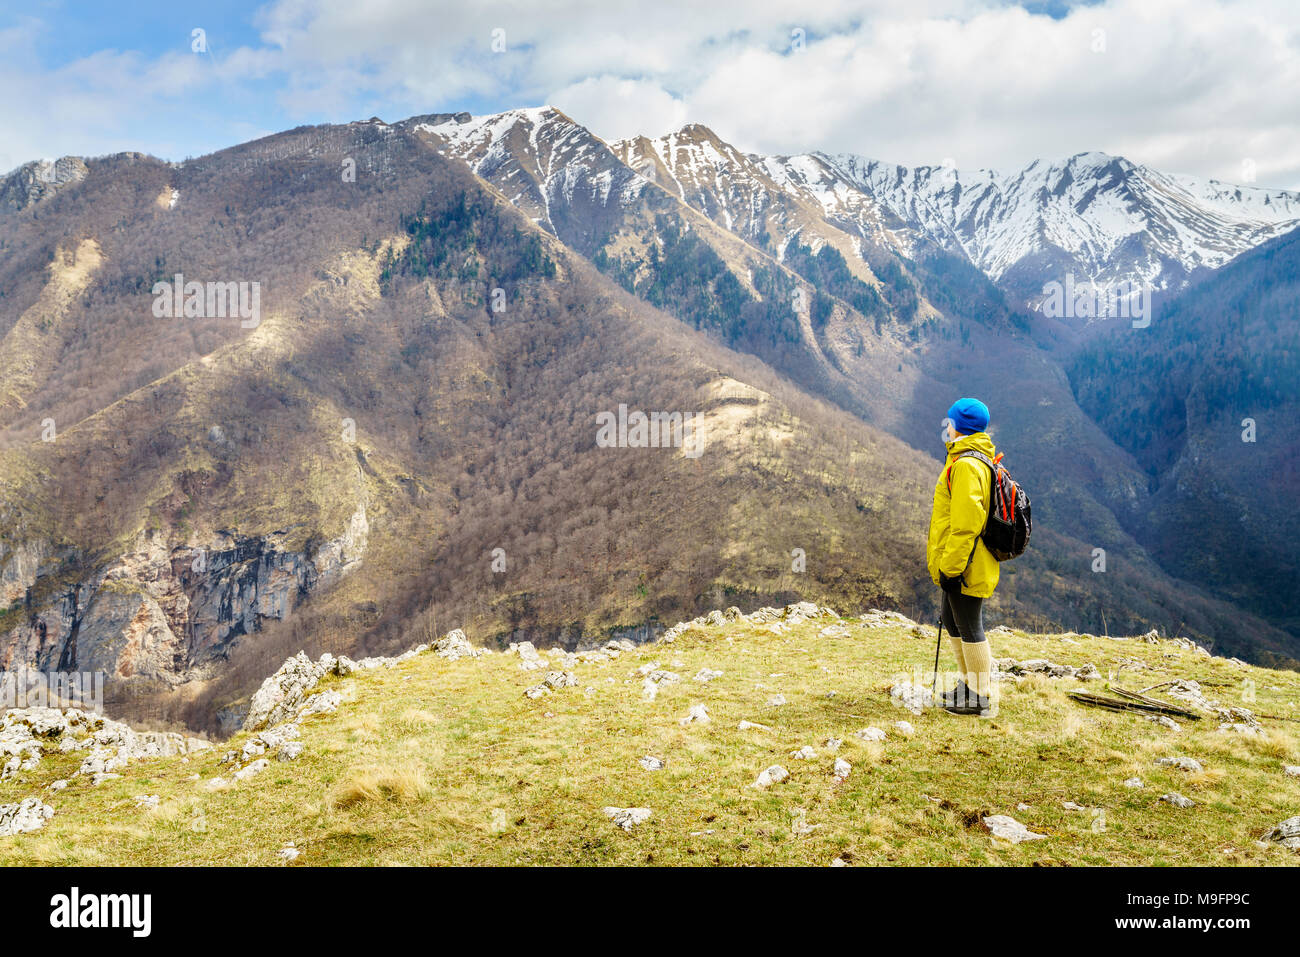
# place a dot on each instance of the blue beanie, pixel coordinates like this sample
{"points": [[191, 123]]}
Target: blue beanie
{"points": [[969, 415]]}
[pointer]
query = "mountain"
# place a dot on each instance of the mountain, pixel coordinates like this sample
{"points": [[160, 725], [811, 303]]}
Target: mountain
{"points": [[1103, 219], [1207, 399], [343, 385], [779, 737], [888, 325]]}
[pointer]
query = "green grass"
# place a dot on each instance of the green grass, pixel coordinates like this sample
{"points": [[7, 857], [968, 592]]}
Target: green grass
{"points": [[436, 762]]}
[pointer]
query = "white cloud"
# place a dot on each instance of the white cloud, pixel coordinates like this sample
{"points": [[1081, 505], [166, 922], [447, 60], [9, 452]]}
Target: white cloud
{"points": [[1198, 86]]}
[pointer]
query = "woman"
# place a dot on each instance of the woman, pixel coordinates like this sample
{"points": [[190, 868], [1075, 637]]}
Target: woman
{"points": [[958, 561]]}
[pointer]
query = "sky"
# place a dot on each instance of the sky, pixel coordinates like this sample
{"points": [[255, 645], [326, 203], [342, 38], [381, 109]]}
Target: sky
{"points": [[1203, 87]]}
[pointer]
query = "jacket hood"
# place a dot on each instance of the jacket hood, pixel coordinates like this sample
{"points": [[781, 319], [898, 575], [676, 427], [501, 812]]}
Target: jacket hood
{"points": [[975, 442]]}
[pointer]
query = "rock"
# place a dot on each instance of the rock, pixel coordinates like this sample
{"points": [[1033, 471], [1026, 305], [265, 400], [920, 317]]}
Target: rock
{"points": [[289, 751], [282, 694], [344, 666], [799, 826], [58, 785], [651, 763], [905, 728], [322, 703], [833, 744], [1006, 828], [1071, 806], [537, 691], [839, 862], [257, 767], [1088, 672], [1182, 764], [776, 700], [1189, 692], [627, 817], [875, 618], [1022, 806], [806, 753], [870, 734], [773, 775], [914, 697], [752, 726], [733, 614], [146, 801], [1134, 783], [288, 852], [454, 645], [1291, 770], [100, 777], [842, 769], [1287, 833], [560, 679], [715, 618], [530, 660], [1164, 721], [1177, 800], [833, 631], [698, 714], [706, 675], [29, 814]]}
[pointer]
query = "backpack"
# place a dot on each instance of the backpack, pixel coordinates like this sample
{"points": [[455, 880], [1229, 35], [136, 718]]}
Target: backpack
{"points": [[1007, 528]]}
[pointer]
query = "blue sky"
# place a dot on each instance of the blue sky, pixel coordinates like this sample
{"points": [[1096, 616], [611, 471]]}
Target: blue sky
{"points": [[1206, 87]]}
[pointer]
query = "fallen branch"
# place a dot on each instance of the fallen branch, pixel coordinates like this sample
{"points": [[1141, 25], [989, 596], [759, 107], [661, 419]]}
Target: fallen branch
{"points": [[1132, 701]]}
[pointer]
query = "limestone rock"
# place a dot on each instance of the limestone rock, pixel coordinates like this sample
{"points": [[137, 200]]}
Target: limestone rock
{"points": [[1006, 828], [772, 775], [698, 714], [454, 645], [870, 734], [257, 767], [651, 763], [1182, 764], [1177, 800], [628, 817], [806, 753], [1287, 833], [29, 814], [914, 697]]}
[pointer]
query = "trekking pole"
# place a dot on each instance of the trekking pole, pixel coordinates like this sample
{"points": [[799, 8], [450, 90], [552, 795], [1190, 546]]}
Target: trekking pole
{"points": [[938, 640]]}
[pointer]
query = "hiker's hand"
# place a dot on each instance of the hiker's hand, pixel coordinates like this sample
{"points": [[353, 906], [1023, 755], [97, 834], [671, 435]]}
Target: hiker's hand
{"points": [[951, 585]]}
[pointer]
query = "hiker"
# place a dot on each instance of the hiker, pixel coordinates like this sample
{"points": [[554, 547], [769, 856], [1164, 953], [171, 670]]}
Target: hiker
{"points": [[959, 562]]}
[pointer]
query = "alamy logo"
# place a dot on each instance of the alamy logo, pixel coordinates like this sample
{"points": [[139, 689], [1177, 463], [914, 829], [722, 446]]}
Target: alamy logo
{"points": [[75, 910], [210, 300], [658, 430], [1086, 300]]}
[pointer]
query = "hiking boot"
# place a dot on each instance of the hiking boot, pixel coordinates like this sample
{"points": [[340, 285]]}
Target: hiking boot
{"points": [[958, 695], [970, 703]]}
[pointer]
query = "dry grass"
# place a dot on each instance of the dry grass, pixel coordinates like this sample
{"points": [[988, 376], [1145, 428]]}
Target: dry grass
{"points": [[437, 762]]}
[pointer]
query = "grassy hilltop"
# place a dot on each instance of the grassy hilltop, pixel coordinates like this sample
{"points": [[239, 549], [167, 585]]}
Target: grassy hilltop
{"points": [[435, 761]]}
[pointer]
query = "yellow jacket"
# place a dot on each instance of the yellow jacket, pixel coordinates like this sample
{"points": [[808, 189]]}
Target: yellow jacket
{"points": [[957, 519]]}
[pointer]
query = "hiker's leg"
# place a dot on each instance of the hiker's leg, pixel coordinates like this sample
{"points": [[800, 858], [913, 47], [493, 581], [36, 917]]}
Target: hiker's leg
{"points": [[954, 633], [977, 659]]}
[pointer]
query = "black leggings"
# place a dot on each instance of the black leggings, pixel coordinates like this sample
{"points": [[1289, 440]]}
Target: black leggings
{"points": [[963, 616]]}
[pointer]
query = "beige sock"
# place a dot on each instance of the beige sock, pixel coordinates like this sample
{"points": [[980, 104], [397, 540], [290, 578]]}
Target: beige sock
{"points": [[979, 666], [956, 650]]}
